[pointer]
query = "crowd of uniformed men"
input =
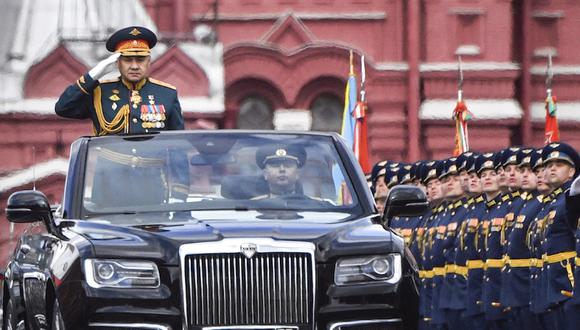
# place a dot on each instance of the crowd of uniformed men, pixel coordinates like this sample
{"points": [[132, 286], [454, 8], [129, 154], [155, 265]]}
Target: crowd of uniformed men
{"points": [[498, 248]]}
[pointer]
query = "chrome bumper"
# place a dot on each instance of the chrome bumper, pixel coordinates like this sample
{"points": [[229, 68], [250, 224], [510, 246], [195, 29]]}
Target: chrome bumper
{"points": [[371, 323], [129, 326]]}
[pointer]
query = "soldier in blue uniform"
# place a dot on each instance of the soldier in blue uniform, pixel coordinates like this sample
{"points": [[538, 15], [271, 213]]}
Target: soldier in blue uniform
{"points": [[455, 195], [534, 239], [429, 228], [472, 244], [493, 228], [515, 292], [131, 103], [558, 249]]}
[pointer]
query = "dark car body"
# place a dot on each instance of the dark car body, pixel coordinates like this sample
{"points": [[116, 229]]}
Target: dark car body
{"points": [[208, 262]]}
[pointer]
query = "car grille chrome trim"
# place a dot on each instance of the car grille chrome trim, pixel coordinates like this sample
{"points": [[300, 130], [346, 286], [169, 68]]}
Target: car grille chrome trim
{"points": [[129, 326], [222, 286], [346, 324]]}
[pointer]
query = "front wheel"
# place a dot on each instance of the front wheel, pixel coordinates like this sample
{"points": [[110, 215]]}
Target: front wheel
{"points": [[11, 319], [57, 321]]}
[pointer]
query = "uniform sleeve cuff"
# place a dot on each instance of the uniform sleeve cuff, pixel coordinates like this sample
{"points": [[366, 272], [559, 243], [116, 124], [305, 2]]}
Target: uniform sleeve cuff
{"points": [[86, 83]]}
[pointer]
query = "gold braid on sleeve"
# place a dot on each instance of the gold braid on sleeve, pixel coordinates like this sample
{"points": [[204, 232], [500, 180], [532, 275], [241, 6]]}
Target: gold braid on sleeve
{"points": [[120, 122]]}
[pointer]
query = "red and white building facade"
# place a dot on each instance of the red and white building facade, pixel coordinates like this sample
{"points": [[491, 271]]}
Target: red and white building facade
{"points": [[284, 63]]}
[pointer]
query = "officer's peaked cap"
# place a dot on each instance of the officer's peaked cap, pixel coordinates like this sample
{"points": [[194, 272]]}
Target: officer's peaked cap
{"points": [[271, 152], [132, 41]]}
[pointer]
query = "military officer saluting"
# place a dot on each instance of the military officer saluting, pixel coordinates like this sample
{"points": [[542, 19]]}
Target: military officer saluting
{"points": [[131, 103]]}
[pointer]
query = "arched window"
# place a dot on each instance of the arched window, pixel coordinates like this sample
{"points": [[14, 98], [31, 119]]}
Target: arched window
{"points": [[255, 113], [327, 113]]}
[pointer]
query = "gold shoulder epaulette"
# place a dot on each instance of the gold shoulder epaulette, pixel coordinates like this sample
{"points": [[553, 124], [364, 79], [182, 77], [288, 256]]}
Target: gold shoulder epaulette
{"points": [[159, 82], [107, 81]]}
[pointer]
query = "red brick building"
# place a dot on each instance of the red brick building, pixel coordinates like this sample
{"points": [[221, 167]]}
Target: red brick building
{"points": [[280, 57]]}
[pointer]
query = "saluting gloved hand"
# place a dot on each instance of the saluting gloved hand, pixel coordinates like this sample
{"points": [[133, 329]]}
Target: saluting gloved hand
{"points": [[104, 66]]}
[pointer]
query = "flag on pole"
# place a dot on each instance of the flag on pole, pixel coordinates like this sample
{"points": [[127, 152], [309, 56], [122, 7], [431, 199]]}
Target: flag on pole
{"points": [[461, 115], [350, 100], [551, 130], [360, 146]]}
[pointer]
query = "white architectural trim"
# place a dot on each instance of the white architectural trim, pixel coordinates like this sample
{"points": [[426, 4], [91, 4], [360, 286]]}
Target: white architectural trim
{"points": [[364, 16], [567, 111], [468, 66], [481, 109], [39, 171], [540, 70]]}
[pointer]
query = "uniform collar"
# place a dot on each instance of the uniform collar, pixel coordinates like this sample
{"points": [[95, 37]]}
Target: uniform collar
{"points": [[131, 86]]}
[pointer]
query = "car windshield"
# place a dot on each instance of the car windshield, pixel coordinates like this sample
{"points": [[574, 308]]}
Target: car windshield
{"points": [[215, 171]]}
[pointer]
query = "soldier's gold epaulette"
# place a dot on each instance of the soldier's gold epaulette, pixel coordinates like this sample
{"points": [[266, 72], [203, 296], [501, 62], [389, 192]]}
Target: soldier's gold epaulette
{"points": [[108, 81], [161, 83]]}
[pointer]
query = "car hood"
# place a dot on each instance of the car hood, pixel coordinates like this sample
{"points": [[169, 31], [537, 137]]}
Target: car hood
{"points": [[162, 241]]}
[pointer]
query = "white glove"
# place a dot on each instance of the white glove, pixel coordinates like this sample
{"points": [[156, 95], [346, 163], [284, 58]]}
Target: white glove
{"points": [[104, 66], [575, 188]]}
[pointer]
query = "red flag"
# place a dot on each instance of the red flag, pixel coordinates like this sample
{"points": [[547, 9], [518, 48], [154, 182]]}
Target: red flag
{"points": [[551, 131], [461, 116]]}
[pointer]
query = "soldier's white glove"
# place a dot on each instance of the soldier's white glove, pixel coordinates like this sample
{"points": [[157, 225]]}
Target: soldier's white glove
{"points": [[575, 188], [104, 66]]}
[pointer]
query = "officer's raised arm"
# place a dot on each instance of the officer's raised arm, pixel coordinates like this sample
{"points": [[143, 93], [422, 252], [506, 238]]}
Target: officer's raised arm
{"points": [[131, 103], [75, 101]]}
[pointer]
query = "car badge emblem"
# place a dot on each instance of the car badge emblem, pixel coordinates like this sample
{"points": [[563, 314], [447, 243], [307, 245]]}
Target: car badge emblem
{"points": [[248, 249]]}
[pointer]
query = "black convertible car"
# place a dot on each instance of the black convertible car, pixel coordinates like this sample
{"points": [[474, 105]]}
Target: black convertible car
{"points": [[211, 230]]}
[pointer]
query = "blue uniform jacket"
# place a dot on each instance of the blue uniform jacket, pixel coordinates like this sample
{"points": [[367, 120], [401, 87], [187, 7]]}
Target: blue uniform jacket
{"points": [[573, 215], [538, 301], [438, 262], [497, 209], [558, 250], [515, 283], [450, 247], [474, 241], [118, 106]]}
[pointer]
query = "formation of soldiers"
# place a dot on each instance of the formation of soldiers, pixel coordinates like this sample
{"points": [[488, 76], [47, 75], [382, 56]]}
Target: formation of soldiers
{"points": [[497, 250]]}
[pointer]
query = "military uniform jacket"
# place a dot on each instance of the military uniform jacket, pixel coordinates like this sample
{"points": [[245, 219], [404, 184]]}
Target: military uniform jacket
{"points": [[515, 204], [497, 210], [558, 249], [438, 263], [535, 239], [473, 245], [450, 247], [573, 213], [430, 229], [516, 276], [118, 106]]}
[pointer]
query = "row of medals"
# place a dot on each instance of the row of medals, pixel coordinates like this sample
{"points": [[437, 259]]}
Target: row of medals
{"points": [[150, 120]]}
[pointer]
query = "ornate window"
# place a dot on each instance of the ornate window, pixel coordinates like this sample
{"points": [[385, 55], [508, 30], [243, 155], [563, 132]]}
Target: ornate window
{"points": [[255, 113], [327, 113]]}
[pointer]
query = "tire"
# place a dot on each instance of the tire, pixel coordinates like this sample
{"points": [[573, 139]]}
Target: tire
{"points": [[57, 323], [11, 320]]}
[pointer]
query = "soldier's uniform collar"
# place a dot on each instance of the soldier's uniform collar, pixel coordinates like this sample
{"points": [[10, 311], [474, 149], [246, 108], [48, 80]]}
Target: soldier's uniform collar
{"points": [[131, 86]]}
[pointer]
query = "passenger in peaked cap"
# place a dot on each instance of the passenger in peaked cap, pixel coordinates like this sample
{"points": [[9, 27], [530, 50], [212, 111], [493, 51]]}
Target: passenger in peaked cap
{"points": [[131, 103], [561, 164], [280, 165]]}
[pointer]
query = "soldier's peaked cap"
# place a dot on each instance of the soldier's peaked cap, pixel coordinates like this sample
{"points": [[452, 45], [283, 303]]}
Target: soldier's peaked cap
{"points": [[132, 41], [561, 151], [271, 152]]}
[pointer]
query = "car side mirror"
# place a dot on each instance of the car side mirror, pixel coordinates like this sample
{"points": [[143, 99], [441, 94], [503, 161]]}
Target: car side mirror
{"points": [[29, 206], [406, 201]]}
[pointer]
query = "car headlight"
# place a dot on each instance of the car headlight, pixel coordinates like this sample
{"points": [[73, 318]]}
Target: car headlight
{"points": [[378, 268], [109, 273]]}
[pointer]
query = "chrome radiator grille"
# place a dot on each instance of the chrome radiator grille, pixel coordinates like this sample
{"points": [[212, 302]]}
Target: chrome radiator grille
{"points": [[232, 289]]}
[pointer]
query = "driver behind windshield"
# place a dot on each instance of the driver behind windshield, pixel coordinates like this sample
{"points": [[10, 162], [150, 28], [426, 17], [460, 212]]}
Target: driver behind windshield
{"points": [[281, 166]]}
